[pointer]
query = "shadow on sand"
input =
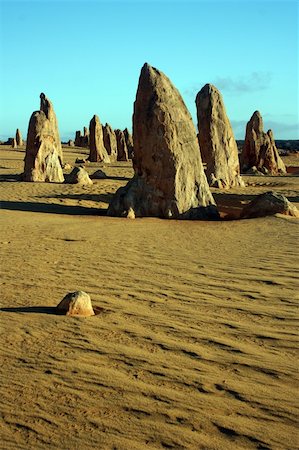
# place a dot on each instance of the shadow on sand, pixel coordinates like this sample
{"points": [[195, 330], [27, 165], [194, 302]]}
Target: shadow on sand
{"points": [[33, 310], [52, 208]]}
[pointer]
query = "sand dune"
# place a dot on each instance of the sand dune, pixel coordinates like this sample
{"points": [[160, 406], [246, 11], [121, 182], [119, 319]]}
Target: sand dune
{"points": [[194, 345]]}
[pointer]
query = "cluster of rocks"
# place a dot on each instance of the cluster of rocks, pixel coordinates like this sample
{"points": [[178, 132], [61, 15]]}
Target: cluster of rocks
{"points": [[106, 145], [169, 179], [259, 153]]}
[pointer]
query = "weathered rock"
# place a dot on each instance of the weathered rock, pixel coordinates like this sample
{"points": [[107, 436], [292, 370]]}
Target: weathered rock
{"points": [[76, 304], [169, 179], [14, 143], [268, 204], [259, 148], [71, 143], [19, 139], [122, 151], [110, 143], [129, 142], [78, 138], [98, 175], [78, 176], [43, 159], [97, 152], [216, 140]]}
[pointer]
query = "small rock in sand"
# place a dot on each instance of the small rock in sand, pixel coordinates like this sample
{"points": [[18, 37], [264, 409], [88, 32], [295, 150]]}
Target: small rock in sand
{"points": [[76, 304]]}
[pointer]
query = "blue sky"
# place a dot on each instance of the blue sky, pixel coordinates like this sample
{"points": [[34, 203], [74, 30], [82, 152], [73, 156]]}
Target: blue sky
{"points": [[87, 55]]}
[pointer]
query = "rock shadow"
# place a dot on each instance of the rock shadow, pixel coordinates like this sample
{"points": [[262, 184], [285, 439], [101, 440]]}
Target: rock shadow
{"points": [[52, 208]]}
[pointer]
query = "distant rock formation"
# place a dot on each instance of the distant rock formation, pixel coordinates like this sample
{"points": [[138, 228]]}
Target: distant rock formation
{"points": [[129, 142], [19, 139], [71, 143], [169, 179], [78, 176], [14, 143], [216, 140], [110, 143], [268, 204], [122, 151], [43, 159], [98, 152], [259, 148], [76, 304], [82, 140]]}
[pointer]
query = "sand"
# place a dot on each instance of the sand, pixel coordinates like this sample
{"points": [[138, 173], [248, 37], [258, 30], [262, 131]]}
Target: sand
{"points": [[195, 342]]}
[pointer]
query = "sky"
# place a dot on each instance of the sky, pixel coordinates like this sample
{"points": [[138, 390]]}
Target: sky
{"points": [[86, 56]]}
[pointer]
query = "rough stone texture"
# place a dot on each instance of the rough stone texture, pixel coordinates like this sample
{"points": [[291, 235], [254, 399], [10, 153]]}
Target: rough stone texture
{"points": [[129, 142], [82, 140], [259, 148], [110, 143], [216, 140], [169, 179], [78, 176], [122, 151], [268, 204], [78, 138], [97, 152], [19, 139], [98, 175], [43, 159], [76, 304]]}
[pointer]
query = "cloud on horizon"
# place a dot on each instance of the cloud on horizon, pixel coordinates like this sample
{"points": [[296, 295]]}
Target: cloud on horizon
{"points": [[255, 81]]}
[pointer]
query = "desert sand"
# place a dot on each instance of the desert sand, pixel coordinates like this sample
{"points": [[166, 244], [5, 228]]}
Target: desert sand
{"points": [[194, 344]]}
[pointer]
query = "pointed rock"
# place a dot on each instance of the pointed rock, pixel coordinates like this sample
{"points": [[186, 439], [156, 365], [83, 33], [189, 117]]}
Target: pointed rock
{"points": [[110, 142], [216, 140], [169, 179], [14, 143], [97, 152], [259, 148], [43, 159], [122, 150], [19, 139], [129, 142]]}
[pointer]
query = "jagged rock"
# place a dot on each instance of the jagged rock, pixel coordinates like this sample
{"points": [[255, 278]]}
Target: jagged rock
{"points": [[268, 204], [76, 304], [78, 176], [97, 153], [78, 138], [169, 179], [122, 151], [82, 140], [216, 140], [129, 142], [43, 159], [19, 139], [98, 175], [110, 143], [259, 148], [14, 143]]}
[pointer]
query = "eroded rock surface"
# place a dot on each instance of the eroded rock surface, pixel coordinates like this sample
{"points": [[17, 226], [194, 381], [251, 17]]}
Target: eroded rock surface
{"points": [[97, 152], [169, 179], [110, 143], [268, 204], [78, 176], [19, 139], [216, 140], [76, 304], [43, 159], [122, 150], [259, 148]]}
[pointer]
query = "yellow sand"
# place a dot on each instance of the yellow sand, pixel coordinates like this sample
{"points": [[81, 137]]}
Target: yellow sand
{"points": [[195, 345]]}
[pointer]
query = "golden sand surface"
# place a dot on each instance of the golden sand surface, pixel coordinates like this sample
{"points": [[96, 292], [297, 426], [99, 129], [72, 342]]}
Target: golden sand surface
{"points": [[195, 342]]}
